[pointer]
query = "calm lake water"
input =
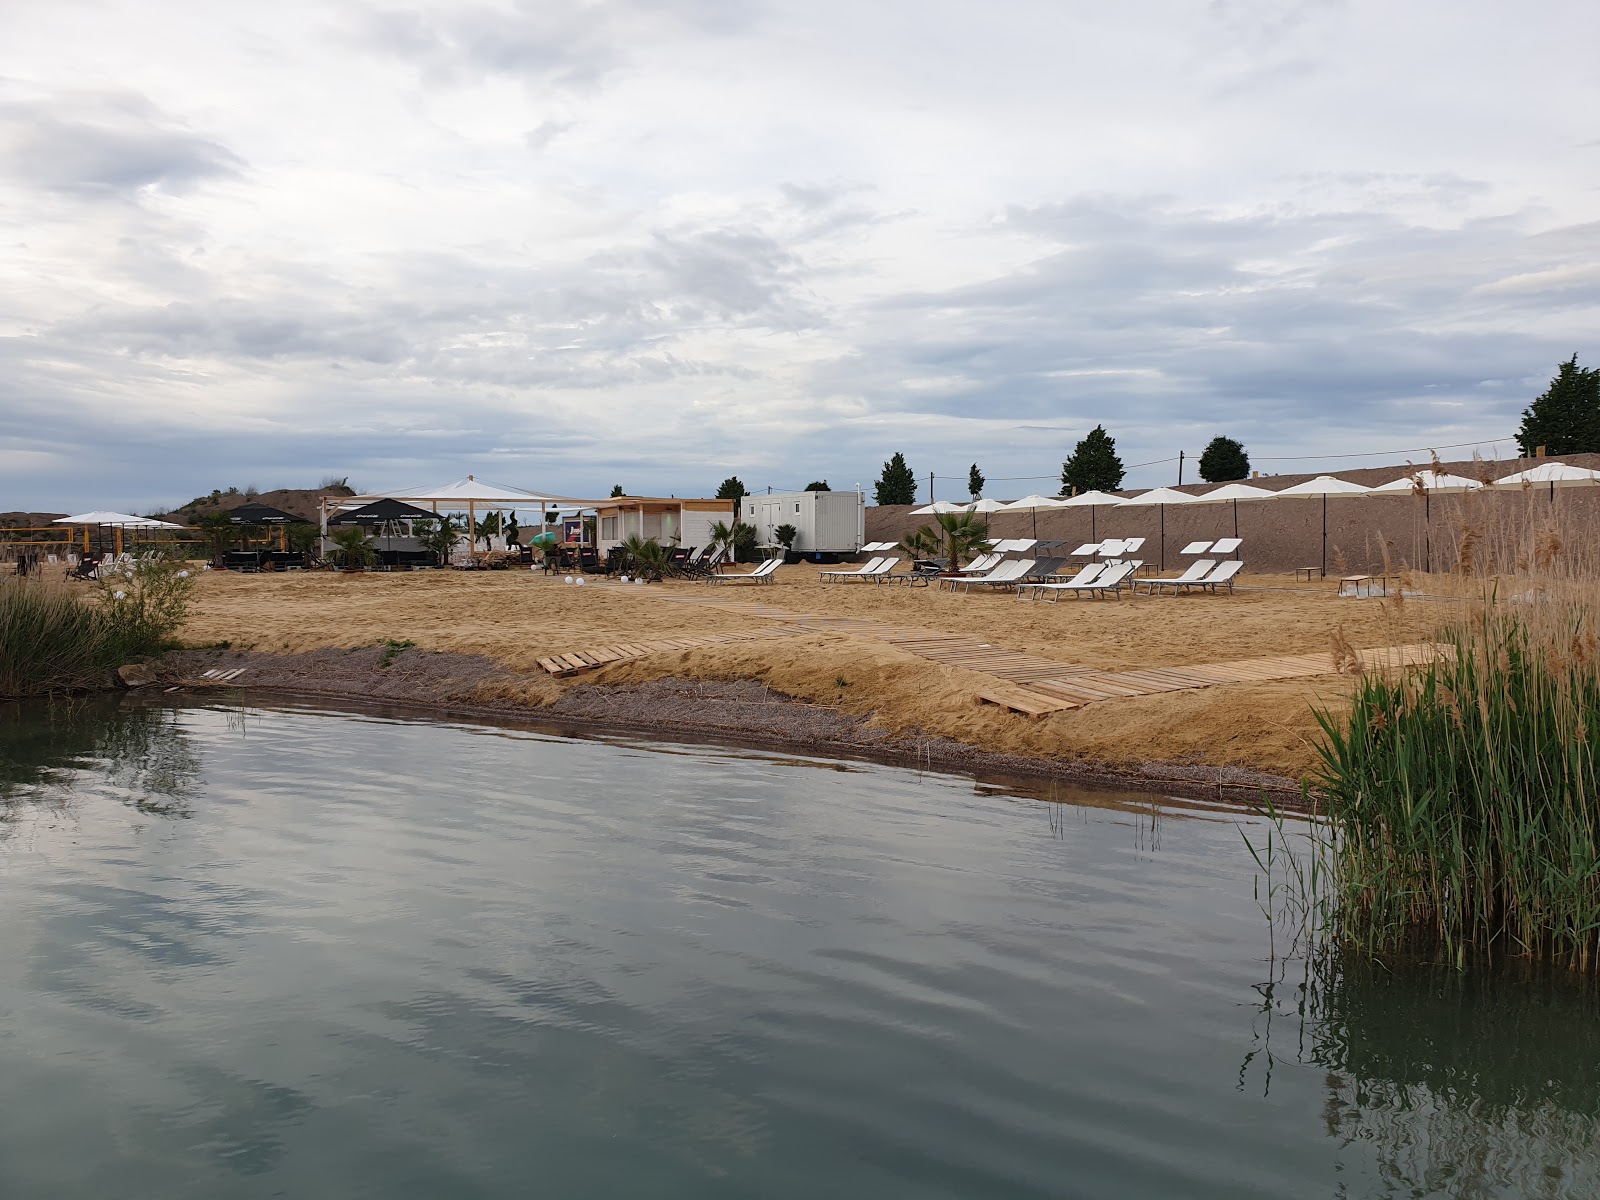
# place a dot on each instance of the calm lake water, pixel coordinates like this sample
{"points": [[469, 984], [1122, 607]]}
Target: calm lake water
{"points": [[286, 952]]}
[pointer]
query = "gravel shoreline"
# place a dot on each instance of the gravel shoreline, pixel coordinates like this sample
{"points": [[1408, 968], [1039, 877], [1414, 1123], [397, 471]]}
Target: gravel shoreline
{"points": [[743, 712]]}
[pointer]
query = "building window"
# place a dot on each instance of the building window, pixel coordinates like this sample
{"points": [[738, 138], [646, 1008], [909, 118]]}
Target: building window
{"points": [[797, 506], [608, 529]]}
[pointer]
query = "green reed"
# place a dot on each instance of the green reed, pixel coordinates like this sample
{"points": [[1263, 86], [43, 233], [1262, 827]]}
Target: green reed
{"points": [[1463, 798], [56, 637]]}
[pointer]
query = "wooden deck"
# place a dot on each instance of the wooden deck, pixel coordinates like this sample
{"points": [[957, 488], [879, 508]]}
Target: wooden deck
{"points": [[1023, 683]]}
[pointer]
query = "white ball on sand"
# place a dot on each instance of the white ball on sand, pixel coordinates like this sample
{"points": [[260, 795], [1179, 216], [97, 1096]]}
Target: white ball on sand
{"points": [[121, 595], [624, 579], [183, 574], [569, 578], [579, 581]]}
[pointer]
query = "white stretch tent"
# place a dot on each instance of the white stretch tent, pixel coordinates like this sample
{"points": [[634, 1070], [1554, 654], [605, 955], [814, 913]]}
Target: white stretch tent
{"points": [[1162, 496], [1324, 486]]}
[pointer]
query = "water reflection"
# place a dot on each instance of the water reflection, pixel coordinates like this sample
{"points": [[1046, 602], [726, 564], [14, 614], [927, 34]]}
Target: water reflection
{"points": [[1444, 1083], [141, 751]]}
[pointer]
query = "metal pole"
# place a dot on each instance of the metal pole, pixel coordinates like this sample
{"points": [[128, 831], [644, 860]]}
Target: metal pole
{"points": [[1324, 535], [1180, 473], [930, 487], [1164, 536]]}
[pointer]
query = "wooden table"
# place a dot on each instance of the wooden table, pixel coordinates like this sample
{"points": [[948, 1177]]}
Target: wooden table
{"points": [[1306, 572]]}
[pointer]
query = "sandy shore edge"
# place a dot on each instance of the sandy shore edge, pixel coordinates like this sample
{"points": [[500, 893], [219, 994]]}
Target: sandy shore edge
{"points": [[738, 712]]}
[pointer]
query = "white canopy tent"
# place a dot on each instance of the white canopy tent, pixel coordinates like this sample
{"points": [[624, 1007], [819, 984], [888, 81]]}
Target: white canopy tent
{"points": [[1324, 486], [115, 520], [469, 493]]}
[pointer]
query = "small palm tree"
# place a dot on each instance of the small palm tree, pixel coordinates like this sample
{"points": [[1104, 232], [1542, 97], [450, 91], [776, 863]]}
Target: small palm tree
{"points": [[439, 535], [921, 543], [963, 535], [352, 548], [646, 556]]}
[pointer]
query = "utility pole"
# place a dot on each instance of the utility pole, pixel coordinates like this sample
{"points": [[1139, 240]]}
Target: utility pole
{"points": [[1180, 468], [930, 487]]}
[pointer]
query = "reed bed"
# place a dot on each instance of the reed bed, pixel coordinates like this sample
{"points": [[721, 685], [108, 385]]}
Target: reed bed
{"points": [[1464, 798], [56, 637]]}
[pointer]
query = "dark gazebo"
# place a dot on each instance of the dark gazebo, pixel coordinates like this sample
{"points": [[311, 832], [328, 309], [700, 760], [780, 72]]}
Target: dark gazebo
{"points": [[381, 512]]}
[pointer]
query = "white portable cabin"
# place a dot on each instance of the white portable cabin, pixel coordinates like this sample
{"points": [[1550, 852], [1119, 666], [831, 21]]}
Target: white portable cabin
{"points": [[826, 522]]}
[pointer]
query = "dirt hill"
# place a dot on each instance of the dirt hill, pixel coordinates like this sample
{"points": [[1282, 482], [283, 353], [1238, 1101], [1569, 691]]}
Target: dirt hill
{"points": [[302, 502]]}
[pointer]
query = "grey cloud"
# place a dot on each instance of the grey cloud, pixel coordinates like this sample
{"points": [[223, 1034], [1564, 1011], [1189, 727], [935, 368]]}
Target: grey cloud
{"points": [[106, 144]]}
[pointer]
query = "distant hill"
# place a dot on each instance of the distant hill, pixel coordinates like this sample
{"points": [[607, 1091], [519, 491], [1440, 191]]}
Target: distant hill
{"points": [[302, 502], [27, 520]]}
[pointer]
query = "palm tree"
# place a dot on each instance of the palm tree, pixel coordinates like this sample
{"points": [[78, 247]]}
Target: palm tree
{"points": [[963, 535], [352, 547], [439, 535], [646, 555], [921, 543]]}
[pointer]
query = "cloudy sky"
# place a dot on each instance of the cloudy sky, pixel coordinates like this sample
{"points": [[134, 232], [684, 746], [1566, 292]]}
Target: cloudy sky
{"points": [[569, 244]]}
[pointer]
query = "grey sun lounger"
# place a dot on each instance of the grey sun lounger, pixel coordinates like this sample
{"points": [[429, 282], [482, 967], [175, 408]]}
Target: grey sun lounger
{"points": [[1221, 576], [762, 574], [1194, 573]]}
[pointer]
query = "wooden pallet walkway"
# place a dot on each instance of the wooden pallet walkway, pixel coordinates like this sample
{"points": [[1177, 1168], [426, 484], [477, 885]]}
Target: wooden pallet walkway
{"points": [[1041, 697], [589, 659]]}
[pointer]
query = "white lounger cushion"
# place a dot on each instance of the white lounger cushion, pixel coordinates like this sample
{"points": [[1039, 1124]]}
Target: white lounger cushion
{"points": [[1226, 545], [1196, 548]]}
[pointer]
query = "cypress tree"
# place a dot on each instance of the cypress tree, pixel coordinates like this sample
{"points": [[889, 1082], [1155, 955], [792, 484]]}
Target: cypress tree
{"points": [[1094, 465], [975, 481], [1565, 419], [897, 485]]}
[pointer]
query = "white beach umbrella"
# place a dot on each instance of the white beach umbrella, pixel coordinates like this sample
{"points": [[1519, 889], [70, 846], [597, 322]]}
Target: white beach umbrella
{"points": [[1426, 482], [1162, 497], [1093, 500], [938, 506], [125, 520], [1234, 492], [986, 506], [1324, 486], [1551, 474], [1032, 504]]}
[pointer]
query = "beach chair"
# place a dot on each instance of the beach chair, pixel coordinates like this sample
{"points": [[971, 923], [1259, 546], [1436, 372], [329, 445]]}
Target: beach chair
{"points": [[1221, 576], [859, 572], [1195, 548], [1108, 583], [1194, 573], [1043, 570], [762, 574], [922, 572], [1226, 545], [983, 564], [1007, 574], [1035, 588], [877, 570]]}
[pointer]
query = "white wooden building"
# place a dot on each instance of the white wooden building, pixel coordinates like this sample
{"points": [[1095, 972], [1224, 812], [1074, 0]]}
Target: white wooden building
{"points": [[669, 520]]}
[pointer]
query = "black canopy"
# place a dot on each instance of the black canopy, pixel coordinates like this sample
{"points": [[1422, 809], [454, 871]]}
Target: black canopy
{"points": [[381, 511], [263, 514]]}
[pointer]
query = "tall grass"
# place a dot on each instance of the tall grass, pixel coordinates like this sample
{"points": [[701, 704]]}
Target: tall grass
{"points": [[1464, 797], [56, 637]]}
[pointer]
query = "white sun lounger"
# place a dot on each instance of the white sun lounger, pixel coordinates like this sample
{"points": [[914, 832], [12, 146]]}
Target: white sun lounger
{"points": [[983, 564], [1007, 573], [1226, 545], [762, 574], [1087, 550], [1108, 582], [1131, 545], [1221, 576], [1084, 575], [876, 570], [1194, 573], [1195, 548]]}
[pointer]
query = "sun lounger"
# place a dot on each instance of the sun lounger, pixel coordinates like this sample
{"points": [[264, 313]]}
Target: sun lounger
{"points": [[983, 564], [1195, 572], [869, 565], [877, 571], [1221, 576], [1195, 548], [1107, 583], [1110, 548], [1007, 574], [1033, 587], [1226, 545], [1131, 545], [762, 574], [1087, 550]]}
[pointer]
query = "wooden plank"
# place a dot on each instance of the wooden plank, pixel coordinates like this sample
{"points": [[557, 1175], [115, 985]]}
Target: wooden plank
{"points": [[1027, 704]]}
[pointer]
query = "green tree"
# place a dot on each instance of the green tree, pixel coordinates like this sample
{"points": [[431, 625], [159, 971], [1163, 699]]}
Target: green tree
{"points": [[732, 488], [1094, 465], [962, 535], [616, 490], [975, 481], [439, 535], [818, 485], [897, 484], [1224, 459], [217, 527], [352, 547], [1565, 419]]}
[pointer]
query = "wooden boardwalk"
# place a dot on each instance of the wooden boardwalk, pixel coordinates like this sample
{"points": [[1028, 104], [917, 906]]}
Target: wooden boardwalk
{"points": [[1024, 683]]}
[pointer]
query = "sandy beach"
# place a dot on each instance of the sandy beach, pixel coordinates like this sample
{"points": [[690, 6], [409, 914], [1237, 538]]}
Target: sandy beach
{"points": [[481, 635]]}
